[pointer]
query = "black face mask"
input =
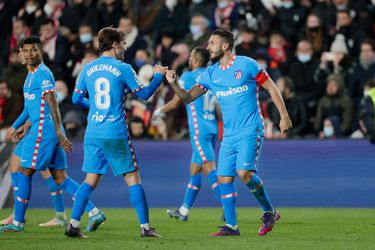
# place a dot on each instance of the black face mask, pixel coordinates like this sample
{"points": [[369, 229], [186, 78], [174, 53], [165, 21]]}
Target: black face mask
{"points": [[314, 29]]}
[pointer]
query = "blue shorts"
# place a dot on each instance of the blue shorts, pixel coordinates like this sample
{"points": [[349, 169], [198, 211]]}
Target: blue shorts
{"points": [[42, 155], [203, 148], [116, 153], [239, 153], [18, 150]]}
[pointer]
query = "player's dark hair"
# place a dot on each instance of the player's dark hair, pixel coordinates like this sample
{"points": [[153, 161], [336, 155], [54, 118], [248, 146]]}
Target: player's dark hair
{"points": [[226, 35], [31, 40], [107, 36], [203, 54]]}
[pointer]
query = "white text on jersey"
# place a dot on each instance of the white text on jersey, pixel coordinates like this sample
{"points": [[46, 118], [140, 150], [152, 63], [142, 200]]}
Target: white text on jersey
{"points": [[232, 91], [106, 67], [28, 96]]}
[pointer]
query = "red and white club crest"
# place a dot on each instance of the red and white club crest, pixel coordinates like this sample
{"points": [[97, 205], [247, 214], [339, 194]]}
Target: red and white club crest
{"points": [[238, 74]]}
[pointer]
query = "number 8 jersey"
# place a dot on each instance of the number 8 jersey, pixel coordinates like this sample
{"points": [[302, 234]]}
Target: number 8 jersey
{"points": [[106, 81]]}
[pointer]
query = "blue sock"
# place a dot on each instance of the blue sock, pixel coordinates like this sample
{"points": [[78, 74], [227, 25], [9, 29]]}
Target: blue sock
{"points": [[82, 198], [14, 177], [257, 188], [56, 195], [212, 179], [192, 190], [71, 186], [138, 201], [228, 199], [23, 197]]}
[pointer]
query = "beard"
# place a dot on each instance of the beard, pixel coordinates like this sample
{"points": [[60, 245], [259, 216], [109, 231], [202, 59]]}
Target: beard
{"points": [[217, 56]]}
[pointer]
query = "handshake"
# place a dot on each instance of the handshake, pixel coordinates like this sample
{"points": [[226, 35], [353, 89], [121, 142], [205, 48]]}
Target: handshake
{"points": [[169, 74]]}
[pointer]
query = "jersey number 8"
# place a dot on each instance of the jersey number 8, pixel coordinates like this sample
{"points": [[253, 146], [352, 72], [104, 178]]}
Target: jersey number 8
{"points": [[102, 97]]}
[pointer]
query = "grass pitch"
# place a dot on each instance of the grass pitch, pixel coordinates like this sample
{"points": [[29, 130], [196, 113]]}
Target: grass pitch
{"points": [[299, 228]]}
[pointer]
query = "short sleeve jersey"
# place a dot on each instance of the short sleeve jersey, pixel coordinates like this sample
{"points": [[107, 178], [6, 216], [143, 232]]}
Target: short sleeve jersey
{"points": [[37, 84], [201, 112], [236, 88], [106, 81]]}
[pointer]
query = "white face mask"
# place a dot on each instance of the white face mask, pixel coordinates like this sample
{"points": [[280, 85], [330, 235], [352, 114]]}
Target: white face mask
{"points": [[170, 4], [287, 5], [222, 4], [328, 132], [60, 96], [303, 58], [30, 8], [199, 1], [195, 30], [48, 9], [366, 92]]}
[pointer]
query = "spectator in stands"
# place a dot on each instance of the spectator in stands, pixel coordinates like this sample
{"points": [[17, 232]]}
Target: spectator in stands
{"points": [[327, 13], [76, 12], [201, 7], [180, 63], [199, 32], [10, 107], [134, 39], [137, 129], [249, 45], [263, 59], [55, 46], [15, 73], [330, 128], [363, 71], [110, 12], [291, 19], [277, 51], [74, 125], [142, 57], [143, 13], [19, 32], [315, 33], [172, 17], [336, 61], [302, 72], [351, 31], [84, 42], [225, 15], [367, 112], [163, 52], [296, 110], [31, 13], [89, 56], [335, 103], [53, 9]]}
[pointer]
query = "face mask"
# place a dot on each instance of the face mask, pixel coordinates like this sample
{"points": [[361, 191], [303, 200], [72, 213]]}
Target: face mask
{"points": [[195, 30], [303, 58], [314, 29], [199, 1], [85, 38], [60, 96], [171, 4], [366, 63], [328, 132], [341, 7], [30, 8], [366, 92], [139, 63], [222, 5], [287, 5], [48, 9]]}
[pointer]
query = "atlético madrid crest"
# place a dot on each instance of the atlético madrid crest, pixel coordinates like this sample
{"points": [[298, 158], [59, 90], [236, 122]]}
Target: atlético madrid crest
{"points": [[238, 74]]}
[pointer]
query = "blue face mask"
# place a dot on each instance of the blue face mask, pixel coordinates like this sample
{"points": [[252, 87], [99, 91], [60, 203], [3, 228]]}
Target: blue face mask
{"points": [[59, 96], [195, 30], [139, 63], [85, 38], [303, 58], [287, 5], [328, 132]]}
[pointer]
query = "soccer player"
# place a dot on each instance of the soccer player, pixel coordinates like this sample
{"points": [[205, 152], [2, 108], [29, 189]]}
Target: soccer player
{"points": [[235, 80], [45, 143], [14, 167], [203, 133], [106, 80]]}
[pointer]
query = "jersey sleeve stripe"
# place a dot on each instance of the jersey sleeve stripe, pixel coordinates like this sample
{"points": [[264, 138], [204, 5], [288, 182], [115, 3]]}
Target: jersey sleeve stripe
{"points": [[201, 87], [80, 91], [138, 89], [262, 77], [48, 91]]}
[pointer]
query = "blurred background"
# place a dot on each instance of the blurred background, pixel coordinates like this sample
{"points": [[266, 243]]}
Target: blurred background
{"points": [[320, 53]]}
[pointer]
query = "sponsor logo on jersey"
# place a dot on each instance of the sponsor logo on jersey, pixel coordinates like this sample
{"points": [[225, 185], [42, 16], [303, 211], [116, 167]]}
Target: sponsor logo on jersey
{"points": [[232, 91], [28, 96], [46, 83], [101, 118]]}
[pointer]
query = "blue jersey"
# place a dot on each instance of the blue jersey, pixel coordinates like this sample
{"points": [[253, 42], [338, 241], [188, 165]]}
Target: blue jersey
{"points": [[236, 88], [201, 112], [37, 84], [107, 80]]}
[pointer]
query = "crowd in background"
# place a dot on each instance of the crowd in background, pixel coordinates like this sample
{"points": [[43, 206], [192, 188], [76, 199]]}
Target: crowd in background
{"points": [[320, 53]]}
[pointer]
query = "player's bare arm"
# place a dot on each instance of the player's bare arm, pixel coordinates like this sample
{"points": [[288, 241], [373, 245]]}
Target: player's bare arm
{"points": [[55, 113], [186, 96], [21, 132], [285, 122]]}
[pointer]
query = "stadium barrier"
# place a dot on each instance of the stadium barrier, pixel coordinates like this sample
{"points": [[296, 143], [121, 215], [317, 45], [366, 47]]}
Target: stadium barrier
{"points": [[297, 173]]}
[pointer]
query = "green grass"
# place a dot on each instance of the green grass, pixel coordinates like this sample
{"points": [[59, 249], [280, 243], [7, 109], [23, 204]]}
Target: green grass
{"points": [[299, 228]]}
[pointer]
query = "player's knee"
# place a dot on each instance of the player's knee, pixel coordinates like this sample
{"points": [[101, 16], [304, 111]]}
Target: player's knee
{"points": [[27, 171], [209, 167], [245, 175], [225, 179], [132, 178]]}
